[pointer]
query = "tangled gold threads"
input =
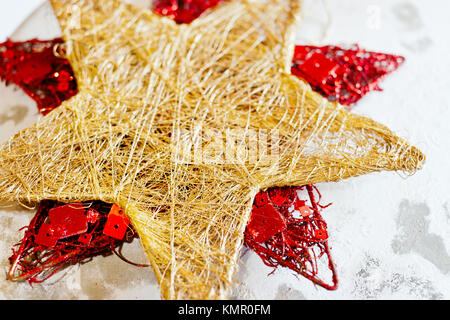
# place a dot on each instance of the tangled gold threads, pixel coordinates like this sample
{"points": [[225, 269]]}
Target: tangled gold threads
{"points": [[142, 79]]}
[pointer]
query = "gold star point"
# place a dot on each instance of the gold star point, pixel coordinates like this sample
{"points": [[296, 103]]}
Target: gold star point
{"points": [[145, 81]]}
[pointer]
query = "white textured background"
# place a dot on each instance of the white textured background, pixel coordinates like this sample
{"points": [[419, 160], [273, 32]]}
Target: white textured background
{"points": [[389, 235]]}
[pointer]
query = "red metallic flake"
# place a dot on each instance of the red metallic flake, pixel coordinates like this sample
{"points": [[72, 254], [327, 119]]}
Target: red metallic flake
{"points": [[305, 211], [117, 224], [265, 222], [115, 227], [69, 219], [92, 215], [48, 235], [316, 69], [321, 234], [183, 11], [343, 75], [64, 214], [299, 204]]}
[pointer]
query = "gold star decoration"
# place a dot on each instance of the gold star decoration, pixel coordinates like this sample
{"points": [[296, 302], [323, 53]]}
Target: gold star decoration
{"points": [[181, 125]]}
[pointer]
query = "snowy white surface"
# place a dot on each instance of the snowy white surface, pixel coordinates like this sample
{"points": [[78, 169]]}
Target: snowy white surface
{"points": [[390, 236]]}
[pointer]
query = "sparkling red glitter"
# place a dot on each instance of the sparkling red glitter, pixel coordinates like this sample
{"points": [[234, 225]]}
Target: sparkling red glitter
{"points": [[60, 235], [343, 75], [34, 67], [183, 11], [301, 242]]}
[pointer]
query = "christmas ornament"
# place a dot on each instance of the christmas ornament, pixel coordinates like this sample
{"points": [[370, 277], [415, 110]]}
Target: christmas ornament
{"points": [[37, 243], [287, 231], [142, 86], [357, 67], [34, 67], [343, 75]]}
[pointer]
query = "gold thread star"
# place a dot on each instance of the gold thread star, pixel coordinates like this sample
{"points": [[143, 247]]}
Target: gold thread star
{"points": [[148, 88]]}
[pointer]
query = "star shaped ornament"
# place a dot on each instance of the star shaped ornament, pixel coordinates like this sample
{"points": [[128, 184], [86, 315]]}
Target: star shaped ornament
{"points": [[181, 125]]}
